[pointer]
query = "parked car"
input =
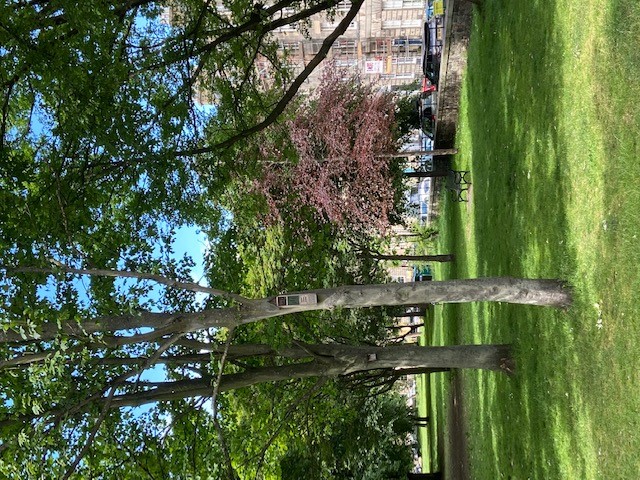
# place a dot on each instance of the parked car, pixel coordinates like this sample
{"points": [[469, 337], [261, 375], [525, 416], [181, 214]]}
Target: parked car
{"points": [[431, 51], [427, 114]]}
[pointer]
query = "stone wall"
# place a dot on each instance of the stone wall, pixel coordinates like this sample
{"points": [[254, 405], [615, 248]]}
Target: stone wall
{"points": [[458, 18]]}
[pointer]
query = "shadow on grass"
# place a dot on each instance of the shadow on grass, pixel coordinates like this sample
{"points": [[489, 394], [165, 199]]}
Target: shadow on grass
{"points": [[519, 228]]}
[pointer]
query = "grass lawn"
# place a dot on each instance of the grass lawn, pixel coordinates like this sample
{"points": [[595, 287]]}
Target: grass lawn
{"points": [[550, 129]]}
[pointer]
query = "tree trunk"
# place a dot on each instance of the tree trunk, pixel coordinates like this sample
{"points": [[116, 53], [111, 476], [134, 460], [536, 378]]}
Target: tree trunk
{"points": [[414, 258], [330, 360], [437, 173], [424, 476], [438, 152], [509, 290]]}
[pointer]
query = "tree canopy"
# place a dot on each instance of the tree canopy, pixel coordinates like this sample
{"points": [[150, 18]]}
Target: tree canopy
{"points": [[336, 138]]}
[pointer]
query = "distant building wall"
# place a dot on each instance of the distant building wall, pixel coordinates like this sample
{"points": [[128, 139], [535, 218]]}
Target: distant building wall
{"points": [[383, 43], [402, 273]]}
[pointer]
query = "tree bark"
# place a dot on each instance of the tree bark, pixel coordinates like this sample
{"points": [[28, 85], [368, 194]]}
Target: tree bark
{"points": [[438, 152], [424, 476], [437, 173], [414, 258], [509, 290], [331, 360]]}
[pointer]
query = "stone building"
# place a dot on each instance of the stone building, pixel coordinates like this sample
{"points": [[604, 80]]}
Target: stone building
{"points": [[383, 43]]}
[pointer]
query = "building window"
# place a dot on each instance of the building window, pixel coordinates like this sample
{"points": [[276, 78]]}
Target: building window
{"points": [[287, 28], [408, 43], [345, 47], [346, 63], [379, 45], [399, 76], [334, 25], [425, 186], [406, 60], [290, 46], [312, 47], [399, 4], [402, 23]]}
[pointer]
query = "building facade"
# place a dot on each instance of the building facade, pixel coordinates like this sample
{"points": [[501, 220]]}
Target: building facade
{"points": [[383, 43]]}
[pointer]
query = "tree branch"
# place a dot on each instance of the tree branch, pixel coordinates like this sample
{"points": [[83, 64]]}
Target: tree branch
{"points": [[92, 434], [302, 398], [191, 286], [290, 93]]}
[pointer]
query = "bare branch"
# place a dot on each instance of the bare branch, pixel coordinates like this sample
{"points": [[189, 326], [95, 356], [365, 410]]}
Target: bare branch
{"points": [[191, 286]]}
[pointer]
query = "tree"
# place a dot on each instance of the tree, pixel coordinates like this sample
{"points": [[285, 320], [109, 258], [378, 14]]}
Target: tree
{"points": [[329, 360], [97, 105], [368, 443], [336, 138], [510, 290], [166, 329], [105, 154], [88, 349], [194, 50]]}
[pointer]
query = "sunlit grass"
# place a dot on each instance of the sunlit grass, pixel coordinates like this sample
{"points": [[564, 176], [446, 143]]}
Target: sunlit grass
{"points": [[550, 128]]}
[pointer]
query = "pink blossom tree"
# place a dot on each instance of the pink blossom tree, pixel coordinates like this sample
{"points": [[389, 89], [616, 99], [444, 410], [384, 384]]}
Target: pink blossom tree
{"points": [[329, 161]]}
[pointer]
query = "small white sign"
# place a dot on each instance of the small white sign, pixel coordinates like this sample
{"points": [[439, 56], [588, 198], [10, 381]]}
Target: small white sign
{"points": [[373, 66]]}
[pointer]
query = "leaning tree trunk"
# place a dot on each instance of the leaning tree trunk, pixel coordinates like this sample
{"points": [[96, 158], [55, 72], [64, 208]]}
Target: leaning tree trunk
{"points": [[331, 360], [508, 290], [325, 361]]}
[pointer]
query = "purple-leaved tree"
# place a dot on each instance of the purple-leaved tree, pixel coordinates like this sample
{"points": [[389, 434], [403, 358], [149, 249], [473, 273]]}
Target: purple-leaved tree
{"points": [[336, 136]]}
